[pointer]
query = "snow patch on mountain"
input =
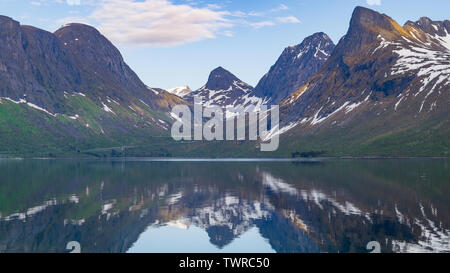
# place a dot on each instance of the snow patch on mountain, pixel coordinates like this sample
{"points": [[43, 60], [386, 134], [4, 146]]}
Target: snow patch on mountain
{"points": [[29, 104], [107, 109], [180, 91]]}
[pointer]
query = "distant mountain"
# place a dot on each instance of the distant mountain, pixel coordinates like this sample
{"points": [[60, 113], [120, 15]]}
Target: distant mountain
{"points": [[294, 67], [225, 89], [180, 91], [384, 91]]}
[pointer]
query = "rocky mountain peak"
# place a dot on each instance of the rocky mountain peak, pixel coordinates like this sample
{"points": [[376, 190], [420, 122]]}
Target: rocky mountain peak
{"points": [[294, 67], [366, 26], [440, 28], [364, 18], [318, 45], [223, 89], [424, 21], [316, 39], [7, 22], [220, 79]]}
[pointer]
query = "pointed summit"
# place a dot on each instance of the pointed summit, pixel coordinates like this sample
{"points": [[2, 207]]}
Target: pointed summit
{"points": [[316, 38], [220, 79], [222, 89], [439, 28], [367, 18], [294, 67], [424, 21], [366, 26]]}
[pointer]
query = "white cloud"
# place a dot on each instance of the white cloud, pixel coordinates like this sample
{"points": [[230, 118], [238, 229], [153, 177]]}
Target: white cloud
{"points": [[373, 2], [158, 22], [280, 8], [228, 33], [214, 6], [262, 24], [289, 19]]}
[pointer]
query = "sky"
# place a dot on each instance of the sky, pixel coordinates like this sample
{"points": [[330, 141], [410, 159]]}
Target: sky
{"points": [[170, 43]]}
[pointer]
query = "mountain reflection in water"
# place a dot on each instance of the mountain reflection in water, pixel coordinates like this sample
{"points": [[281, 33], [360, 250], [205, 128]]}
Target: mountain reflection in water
{"points": [[287, 207]]}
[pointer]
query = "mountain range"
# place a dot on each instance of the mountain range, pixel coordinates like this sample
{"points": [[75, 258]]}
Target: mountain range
{"points": [[383, 90]]}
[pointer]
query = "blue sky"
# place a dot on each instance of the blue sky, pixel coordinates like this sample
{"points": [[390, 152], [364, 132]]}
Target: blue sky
{"points": [[174, 43]]}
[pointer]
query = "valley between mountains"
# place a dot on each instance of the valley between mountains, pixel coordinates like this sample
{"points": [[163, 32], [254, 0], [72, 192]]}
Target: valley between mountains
{"points": [[383, 90]]}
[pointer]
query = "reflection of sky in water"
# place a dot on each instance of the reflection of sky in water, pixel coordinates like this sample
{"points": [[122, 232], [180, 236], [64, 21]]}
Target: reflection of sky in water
{"points": [[171, 239]]}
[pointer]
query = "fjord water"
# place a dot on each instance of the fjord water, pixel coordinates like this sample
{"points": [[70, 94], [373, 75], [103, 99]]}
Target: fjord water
{"points": [[225, 206]]}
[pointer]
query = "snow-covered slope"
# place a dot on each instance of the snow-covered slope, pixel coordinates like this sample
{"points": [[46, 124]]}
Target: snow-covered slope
{"points": [[224, 89], [180, 91]]}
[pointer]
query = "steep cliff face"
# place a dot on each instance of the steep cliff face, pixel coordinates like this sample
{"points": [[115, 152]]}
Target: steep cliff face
{"points": [[34, 65], [294, 67]]}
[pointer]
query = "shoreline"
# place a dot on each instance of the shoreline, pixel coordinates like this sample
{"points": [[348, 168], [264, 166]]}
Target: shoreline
{"points": [[206, 159]]}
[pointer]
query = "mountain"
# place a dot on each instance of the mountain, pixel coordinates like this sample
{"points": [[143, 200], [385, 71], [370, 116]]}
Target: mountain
{"points": [[383, 91], [71, 90], [180, 91], [294, 67], [225, 89]]}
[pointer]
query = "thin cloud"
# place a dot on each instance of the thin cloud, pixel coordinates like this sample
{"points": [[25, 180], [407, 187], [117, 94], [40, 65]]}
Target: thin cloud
{"points": [[289, 20], [73, 2], [262, 24], [68, 20], [373, 2], [280, 8]]}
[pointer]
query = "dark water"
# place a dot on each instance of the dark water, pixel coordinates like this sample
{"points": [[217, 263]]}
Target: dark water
{"points": [[130, 206]]}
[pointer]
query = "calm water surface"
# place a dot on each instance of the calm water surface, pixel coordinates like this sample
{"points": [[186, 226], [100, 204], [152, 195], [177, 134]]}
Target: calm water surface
{"points": [[225, 206]]}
